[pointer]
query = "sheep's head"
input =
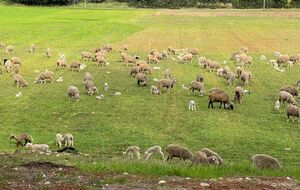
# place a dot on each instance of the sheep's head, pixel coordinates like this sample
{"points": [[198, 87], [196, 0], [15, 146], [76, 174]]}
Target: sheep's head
{"points": [[213, 160], [229, 105], [12, 136]]}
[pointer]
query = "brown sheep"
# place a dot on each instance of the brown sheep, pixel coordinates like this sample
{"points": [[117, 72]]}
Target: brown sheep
{"points": [[87, 56], [283, 59], [152, 58], [73, 93], [195, 85], [293, 91], [90, 88], [201, 158], [238, 94], [292, 111], [286, 97], [19, 81], [61, 64], [16, 60], [295, 58], [145, 68], [200, 78], [194, 51], [168, 73], [246, 77], [167, 83], [179, 151], [75, 66], [16, 69], [44, 77], [262, 161], [135, 70], [142, 79], [230, 77], [209, 153], [101, 60], [22, 137], [219, 95]]}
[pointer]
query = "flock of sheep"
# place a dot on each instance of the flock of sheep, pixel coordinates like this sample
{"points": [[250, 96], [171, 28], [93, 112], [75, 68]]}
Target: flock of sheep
{"points": [[141, 70]]}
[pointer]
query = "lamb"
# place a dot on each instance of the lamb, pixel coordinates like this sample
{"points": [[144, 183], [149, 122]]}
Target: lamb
{"points": [[152, 58], [244, 60], [87, 56], [195, 85], [8, 65], [101, 60], [262, 161], [61, 64], [293, 91], [32, 48], [295, 58], [69, 140], [128, 59], [192, 105], [124, 48], [145, 68], [238, 94], [89, 86], [75, 66], [16, 60], [219, 95], [246, 77], [187, 58], [59, 140], [106, 87], [16, 69], [194, 51], [171, 50], [39, 147], [22, 137], [212, 65], [210, 153], [154, 149], [9, 49], [142, 79], [73, 93], [48, 52], [44, 77], [283, 59], [277, 105], [130, 151], [292, 111], [239, 71], [200, 78], [201, 158], [168, 73], [155, 90], [286, 97], [167, 83], [107, 47], [179, 151], [220, 72], [236, 55], [230, 77], [19, 81], [87, 76]]}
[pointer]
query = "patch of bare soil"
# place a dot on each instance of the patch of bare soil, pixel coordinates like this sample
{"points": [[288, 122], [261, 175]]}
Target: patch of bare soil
{"points": [[47, 175]]}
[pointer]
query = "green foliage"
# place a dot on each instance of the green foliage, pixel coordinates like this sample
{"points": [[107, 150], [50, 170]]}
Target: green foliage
{"points": [[44, 2]]}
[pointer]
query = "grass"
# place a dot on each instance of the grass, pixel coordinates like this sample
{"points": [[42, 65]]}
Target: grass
{"points": [[107, 127]]}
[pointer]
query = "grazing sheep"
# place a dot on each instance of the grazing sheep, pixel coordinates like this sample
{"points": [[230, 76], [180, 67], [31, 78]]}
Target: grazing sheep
{"points": [[124, 48], [246, 77], [153, 58], [192, 105], [101, 60], [179, 151], [154, 149], [145, 68], [142, 79], [210, 153], [202, 61], [212, 65], [167, 83], [244, 60], [293, 91], [32, 48], [295, 58], [155, 90], [135, 70], [286, 97], [283, 59], [126, 59], [195, 85], [75, 66], [236, 55], [201, 158], [130, 151], [16, 60], [48, 52], [226, 70], [87, 56], [239, 71], [73, 93], [61, 64], [194, 51], [230, 78], [69, 140], [171, 50], [16, 69], [44, 77], [107, 47], [22, 137], [90, 88], [59, 140], [220, 72], [8, 64], [9, 49], [200, 78], [87, 76], [219, 95], [187, 58], [277, 105], [38, 147], [106, 87], [238, 94], [168, 73], [19, 81], [262, 161], [292, 111]]}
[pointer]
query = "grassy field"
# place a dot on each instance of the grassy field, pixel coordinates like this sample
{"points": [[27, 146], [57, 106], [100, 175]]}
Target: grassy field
{"points": [[105, 128]]}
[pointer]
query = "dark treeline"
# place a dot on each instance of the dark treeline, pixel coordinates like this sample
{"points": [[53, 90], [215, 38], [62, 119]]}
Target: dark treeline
{"points": [[175, 4]]}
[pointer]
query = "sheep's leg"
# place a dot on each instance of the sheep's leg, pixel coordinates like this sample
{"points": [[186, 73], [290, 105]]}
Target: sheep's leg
{"points": [[162, 155], [221, 105], [138, 154], [148, 155]]}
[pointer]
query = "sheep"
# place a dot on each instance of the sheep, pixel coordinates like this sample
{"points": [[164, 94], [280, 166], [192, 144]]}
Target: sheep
{"points": [[87, 76], [73, 93], [171, 50], [277, 105], [69, 140], [192, 105], [292, 111], [200, 78], [145, 68], [32, 48], [220, 72], [194, 51], [202, 61], [167, 83], [210, 153], [38, 147], [238, 94], [219, 95], [239, 71], [226, 69], [164, 54], [9, 49], [195, 85], [107, 47], [168, 73], [201, 158], [212, 65], [75, 66], [106, 87], [140, 62], [59, 140], [244, 49], [16, 60], [152, 58], [154, 149], [90, 88], [293, 91], [283, 59], [187, 58], [124, 48], [44, 77], [130, 151], [22, 137], [286, 97], [244, 60], [61, 64], [142, 79], [101, 53], [235, 55], [16, 69], [87, 56], [246, 77], [262, 161], [128, 59], [48, 52], [230, 78], [155, 90], [179, 151], [101, 60], [19, 81], [295, 58], [8, 65]]}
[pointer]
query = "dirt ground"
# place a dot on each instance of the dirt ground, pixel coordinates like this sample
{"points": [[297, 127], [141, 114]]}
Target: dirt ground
{"points": [[46, 175]]}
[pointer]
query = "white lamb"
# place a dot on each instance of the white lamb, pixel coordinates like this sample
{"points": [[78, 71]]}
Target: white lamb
{"points": [[106, 87], [192, 105], [277, 105], [152, 150], [38, 147]]}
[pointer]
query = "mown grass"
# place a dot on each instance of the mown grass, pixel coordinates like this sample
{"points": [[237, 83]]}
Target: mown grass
{"points": [[137, 117]]}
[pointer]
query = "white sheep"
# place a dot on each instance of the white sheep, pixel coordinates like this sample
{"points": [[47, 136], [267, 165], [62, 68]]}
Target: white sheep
{"points": [[38, 147], [277, 105], [130, 151], [154, 149], [192, 105], [59, 139], [106, 87], [155, 90], [69, 140]]}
